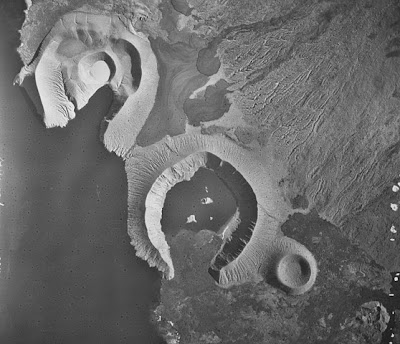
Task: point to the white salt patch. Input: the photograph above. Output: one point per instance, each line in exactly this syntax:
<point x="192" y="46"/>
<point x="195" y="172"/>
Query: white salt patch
<point x="100" y="72"/>
<point x="395" y="188"/>
<point x="392" y="239"/>
<point x="394" y="206"/>
<point x="206" y="200"/>
<point x="396" y="279"/>
<point x="211" y="81"/>
<point x="191" y="219"/>
<point x="393" y="229"/>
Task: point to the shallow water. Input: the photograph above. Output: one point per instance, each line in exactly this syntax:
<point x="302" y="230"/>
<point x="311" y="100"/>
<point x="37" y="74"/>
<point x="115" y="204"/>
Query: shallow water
<point x="68" y="273"/>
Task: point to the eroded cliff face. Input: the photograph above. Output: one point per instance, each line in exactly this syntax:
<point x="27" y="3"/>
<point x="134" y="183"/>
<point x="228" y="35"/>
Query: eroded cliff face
<point x="305" y="95"/>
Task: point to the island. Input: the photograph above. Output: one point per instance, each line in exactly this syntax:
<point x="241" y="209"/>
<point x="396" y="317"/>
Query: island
<point x="293" y="106"/>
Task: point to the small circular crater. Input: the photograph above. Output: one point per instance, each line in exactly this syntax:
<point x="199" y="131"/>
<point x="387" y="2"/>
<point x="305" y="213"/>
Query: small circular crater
<point x="97" y="67"/>
<point x="293" y="271"/>
<point x="100" y="71"/>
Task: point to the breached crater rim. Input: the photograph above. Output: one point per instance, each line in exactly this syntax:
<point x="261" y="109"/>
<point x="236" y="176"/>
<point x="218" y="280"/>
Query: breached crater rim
<point x="152" y="171"/>
<point x="85" y="51"/>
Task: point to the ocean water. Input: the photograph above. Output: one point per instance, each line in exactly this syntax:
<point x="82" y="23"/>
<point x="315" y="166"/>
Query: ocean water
<point x="68" y="273"/>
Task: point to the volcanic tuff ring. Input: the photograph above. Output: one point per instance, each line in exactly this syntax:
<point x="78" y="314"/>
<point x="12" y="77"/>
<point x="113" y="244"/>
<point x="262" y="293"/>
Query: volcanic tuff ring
<point x="81" y="45"/>
<point x="76" y="43"/>
<point x="153" y="170"/>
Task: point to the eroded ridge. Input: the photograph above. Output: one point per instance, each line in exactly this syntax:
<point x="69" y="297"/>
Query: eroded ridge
<point x="238" y="230"/>
<point x="82" y="53"/>
<point x="252" y="242"/>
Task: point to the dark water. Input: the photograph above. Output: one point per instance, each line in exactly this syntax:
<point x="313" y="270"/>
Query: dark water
<point x="205" y="196"/>
<point x="68" y="273"/>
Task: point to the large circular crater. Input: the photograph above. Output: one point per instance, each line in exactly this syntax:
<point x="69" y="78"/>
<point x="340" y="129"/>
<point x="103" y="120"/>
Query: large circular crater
<point x="214" y="196"/>
<point x="197" y="182"/>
